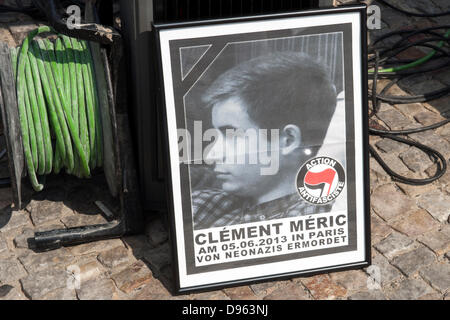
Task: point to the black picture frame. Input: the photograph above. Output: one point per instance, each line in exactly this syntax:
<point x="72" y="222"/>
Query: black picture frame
<point x="168" y="109"/>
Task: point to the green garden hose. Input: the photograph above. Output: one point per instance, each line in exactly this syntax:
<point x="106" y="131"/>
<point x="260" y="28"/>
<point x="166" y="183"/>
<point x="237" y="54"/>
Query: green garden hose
<point x="416" y="63"/>
<point x="58" y="106"/>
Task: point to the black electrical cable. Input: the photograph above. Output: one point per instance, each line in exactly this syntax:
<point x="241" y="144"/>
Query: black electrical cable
<point x="415" y="14"/>
<point x="410" y="34"/>
<point x="382" y="57"/>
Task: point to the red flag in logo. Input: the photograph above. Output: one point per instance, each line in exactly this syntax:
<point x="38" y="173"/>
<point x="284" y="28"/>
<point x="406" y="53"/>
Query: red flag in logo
<point x="325" y="176"/>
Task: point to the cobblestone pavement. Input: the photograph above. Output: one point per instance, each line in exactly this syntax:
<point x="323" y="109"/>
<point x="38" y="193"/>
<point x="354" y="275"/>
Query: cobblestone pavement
<point x="410" y="227"/>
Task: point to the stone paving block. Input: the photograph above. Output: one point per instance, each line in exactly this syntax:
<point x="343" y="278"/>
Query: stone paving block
<point x="395" y="163"/>
<point x="154" y="290"/>
<point x="55" y="260"/>
<point x="384" y="106"/>
<point x="21" y="241"/>
<point x="8" y="293"/>
<point x="60" y="294"/>
<point x="377" y="180"/>
<point x="264" y="288"/>
<point x="410" y="289"/>
<point x="374" y="181"/>
<point x="97" y="289"/>
<point x="432" y="139"/>
<point x="417" y="223"/>
<point x="378" y="171"/>
<point x="240" y="293"/>
<point x="214" y="295"/>
<point x="444" y="180"/>
<point x="3" y="245"/>
<point x="414" y="191"/>
<point x="444" y="131"/>
<point x="159" y="257"/>
<point x="442" y="105"/>
<point x="428" y="118"/>
<point x="114" y="257"/>
<point x="353" y="280"/>
<point x="412" y="261"/>
<point x="79" y="220"/>
<point x="96" y="247"/>
<point x="387" y="272"/>
<point x="389" y="202"/>
<point x="438" y="275"/>
<point x="395" y="244"/>
<point x="374" y="139"/>
<point x="379" y="229"/>
<point x="48" y="226"/>
<point x="134" y="276"/>
<point x="292" y="291"/>
<point x="431" y="296"/>
<point x="391" y="146"/>
<point x="410" y="109"/>
<point x="88" y="267"/>
<point x="437" y="204"/>
<point x="38" y="284"/>
<point x="11" y="270"/>
<point x="416" y="160"/>
<point x="156" y="232"/>
<point x="10" y="220"/>
<point x="45" y="211"/>
<point x="322" y="287"/>
<point x="368" y="295"/>
<point x="394" y="119"/>
<point x="437" y="240"/>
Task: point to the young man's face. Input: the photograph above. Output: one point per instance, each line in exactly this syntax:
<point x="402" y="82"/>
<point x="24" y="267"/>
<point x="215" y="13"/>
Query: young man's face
<point x="246" y="179"/>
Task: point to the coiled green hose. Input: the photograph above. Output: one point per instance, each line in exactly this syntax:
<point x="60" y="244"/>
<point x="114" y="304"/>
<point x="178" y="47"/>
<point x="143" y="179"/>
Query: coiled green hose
<point x="58" y="106"/>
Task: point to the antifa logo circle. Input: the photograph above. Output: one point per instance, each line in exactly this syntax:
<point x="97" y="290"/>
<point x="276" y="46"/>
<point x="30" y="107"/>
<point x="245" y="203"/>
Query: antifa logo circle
<point x="321" y="180"/>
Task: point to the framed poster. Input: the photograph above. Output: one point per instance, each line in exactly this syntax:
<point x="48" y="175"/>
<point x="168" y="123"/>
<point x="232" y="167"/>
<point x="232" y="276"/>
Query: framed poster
<point x="267" y="145"/>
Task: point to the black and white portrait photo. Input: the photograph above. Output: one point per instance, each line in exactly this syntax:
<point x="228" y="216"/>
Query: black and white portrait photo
<point x="285" y="91"/>
<point x="265" y="144"/>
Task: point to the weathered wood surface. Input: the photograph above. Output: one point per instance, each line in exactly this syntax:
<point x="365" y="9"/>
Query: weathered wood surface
<point x="11" y="123"/>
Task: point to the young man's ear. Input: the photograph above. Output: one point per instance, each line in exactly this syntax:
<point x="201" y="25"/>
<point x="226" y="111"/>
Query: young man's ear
<point x="290" y="139"/>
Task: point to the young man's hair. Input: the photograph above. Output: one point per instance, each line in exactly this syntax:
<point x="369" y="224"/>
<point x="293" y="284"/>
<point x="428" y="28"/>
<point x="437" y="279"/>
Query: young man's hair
<point x="281" y="89"/>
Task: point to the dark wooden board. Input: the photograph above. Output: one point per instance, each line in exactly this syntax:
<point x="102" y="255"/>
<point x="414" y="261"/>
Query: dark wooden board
<point x="11" y="124"/>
